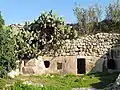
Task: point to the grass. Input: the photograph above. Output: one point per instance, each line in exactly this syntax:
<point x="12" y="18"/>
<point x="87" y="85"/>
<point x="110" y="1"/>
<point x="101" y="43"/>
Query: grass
<point x="60" y="82"/>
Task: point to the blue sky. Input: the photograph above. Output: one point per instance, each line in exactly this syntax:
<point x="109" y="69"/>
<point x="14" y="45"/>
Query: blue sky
<point x="19" y="11"/>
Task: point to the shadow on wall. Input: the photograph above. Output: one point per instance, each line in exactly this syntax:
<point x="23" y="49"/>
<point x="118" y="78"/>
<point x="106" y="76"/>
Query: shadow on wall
<point x="109" y="65"/>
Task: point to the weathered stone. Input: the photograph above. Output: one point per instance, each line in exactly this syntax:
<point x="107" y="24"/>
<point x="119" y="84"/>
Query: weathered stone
<point x="14" y="73"/>
<point x="30" y="63"/>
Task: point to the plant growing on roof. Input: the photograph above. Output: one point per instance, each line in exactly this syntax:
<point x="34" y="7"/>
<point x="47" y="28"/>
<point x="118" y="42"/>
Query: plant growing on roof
<point x="48" y="31"/>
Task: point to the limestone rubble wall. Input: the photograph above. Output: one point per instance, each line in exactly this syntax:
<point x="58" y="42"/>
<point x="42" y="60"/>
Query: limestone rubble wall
<point x="91" y="45"/>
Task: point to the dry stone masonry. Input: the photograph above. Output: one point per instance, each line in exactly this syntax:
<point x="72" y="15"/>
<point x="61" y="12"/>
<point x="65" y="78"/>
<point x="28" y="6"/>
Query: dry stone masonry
<point x="91" y="45"/>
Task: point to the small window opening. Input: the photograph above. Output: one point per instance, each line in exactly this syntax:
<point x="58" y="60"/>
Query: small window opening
<point x="59" y="65"/>
<point x="47" y="64"/>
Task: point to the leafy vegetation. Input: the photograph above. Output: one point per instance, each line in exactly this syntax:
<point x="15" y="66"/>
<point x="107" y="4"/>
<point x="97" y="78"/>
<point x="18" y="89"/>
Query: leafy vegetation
<point x="88" y="18"/>
<point x="7" y="50"/>
<point x="46" y="31"/>
<point x="22" y="46"/>
<point x="41" y="36"/>
<point x="89" y="21"/>
<point x="60" y="82"/>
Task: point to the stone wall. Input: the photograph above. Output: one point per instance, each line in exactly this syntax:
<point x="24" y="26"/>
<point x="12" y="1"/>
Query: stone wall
<point x="92" y="45"/>
<point x="92" y="48"/>
<point x="61" y="65"/>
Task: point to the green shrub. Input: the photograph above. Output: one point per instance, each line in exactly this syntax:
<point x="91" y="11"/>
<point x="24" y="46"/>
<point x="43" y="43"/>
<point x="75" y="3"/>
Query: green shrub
<point x="42" y="36"/>
<point x="89" y="20"/>
<point x="7" y="50"/>
<point x="2" y="83"/>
